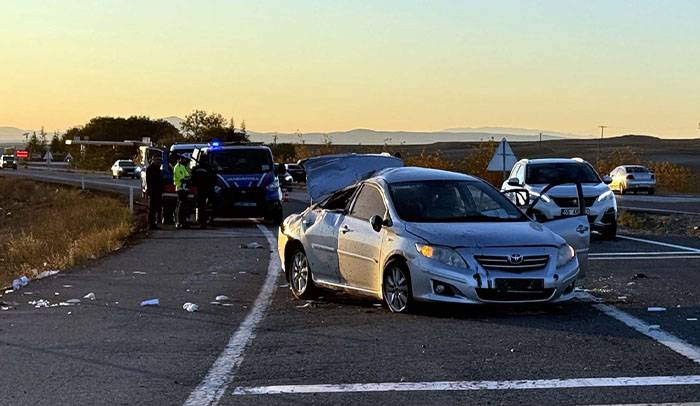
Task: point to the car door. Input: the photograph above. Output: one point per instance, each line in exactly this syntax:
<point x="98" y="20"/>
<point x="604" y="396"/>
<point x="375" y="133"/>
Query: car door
<point x="322" y="226"/>
<point x="359" y="245"/>
<point x="575" y="229"/>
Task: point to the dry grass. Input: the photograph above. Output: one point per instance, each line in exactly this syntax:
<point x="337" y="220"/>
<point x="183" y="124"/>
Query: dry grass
<point x="660" y="224"/>
<point x="54" y="227"/>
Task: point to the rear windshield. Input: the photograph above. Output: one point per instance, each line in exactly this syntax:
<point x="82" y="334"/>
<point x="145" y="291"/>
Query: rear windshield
<point x="560" y="172"/>
<point x="239" y="160"/>
<point x="637" y="169"/>
<point x="450" y="201"/>
<point x="126" y="163"/>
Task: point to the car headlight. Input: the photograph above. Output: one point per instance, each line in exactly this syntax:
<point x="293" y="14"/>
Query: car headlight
<point x="274" y="185"/>
<point x="605" y="196"/>
<point x="445" y="255"/>
<point x="565" y="255"/>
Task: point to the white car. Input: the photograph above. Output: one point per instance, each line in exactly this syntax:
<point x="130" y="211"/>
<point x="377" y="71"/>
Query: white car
<point x="124" y="168"/>
<point x="633" y="178"/>
<point x="561" y="201"/>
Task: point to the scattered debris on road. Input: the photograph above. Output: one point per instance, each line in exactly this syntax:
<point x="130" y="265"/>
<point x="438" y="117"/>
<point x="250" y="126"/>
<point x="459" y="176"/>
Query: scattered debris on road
<point x="73" y="301"/>
<point x="46" y="274"/>
<point x="252" y="245"/>
<point x="150" y="302"/>
<point x="140" y="273"/>
<point x="20" y="282"/>
<point x="656" y="309"/>
<point x="691" y="319"/>
<point x="222" y="298"/>
<point x="90" y="296"/>
<point x="190" y="307"/>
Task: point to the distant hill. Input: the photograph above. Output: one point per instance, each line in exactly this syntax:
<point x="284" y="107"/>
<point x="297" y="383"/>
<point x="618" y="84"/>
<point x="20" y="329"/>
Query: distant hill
<point x="510" y="130"/>
<point x="11" y="134"/>
<point x="373" y="137"/>
<point x="175" y="121"/>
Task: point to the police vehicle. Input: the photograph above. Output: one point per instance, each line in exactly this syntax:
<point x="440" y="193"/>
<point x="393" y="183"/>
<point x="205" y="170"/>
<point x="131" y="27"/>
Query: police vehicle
<point x="247" y="183"/>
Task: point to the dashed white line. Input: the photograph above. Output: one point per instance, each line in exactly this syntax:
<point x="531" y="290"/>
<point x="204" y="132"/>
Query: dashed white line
<point x="221" y="373"/>
<point x="669" y="340"/>
<point x="662" y="244"/>
<point x="472" y="385"/>
<point x="687" y="256"/>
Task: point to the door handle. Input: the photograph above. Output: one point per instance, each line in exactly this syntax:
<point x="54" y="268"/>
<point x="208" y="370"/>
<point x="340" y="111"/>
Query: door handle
<point x="581" y="229"/>
<point x="345" y="229"/>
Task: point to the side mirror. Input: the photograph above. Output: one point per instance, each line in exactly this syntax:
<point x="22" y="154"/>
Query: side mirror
<point x="377" y="222"/>
<point x="607" y="179"/>
<point x="514" y="182"/>
<point x="280" y="169"/>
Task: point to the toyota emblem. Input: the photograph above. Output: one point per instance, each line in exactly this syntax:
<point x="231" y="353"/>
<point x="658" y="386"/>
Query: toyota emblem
<point x="515" y="259"/>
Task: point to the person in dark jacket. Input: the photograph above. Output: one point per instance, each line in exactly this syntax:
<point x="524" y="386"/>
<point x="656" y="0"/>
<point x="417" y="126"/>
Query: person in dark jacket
<point x="204" y="179"/>
<point x="154" y="189"/>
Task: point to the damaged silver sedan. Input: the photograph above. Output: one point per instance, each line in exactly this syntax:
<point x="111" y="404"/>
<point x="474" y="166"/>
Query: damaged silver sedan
<point x="403" y="234"/>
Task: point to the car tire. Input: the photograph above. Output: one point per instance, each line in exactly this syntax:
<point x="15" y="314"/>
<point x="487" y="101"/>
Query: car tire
<point x="396" y="288"/>
<point x="609" y="232"/>
<point x="300" y="278"/>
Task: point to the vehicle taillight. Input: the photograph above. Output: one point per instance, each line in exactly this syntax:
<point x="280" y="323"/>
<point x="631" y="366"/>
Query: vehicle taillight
<point x="630" y="177"/>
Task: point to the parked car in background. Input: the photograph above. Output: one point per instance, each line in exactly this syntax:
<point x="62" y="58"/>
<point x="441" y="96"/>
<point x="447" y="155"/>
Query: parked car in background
<point x="562" y="201"/>
<point x="634" y="178"/>
<point x="8" y="161"/>
<point x="297" y="171"/>
<point x="124" y="168"/>
<point x="405" y="234"/>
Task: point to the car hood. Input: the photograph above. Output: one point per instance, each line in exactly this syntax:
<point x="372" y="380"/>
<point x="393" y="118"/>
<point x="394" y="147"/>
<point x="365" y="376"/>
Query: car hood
<point x="569" y="190"/>
<point x="328" y="173"/>
<point x="478" y="235"/>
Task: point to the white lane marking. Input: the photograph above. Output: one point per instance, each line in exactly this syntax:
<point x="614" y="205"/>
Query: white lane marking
<point x="471" y="385"/>
<point x="669" y="340"/>
<point x="653" y="404"/>
<point x="221" y="373"/>
<point x="607" y="254"/>
<point x="650" y="210"/>
<point x="663" y="244"/>
<point x="687" y="256"/>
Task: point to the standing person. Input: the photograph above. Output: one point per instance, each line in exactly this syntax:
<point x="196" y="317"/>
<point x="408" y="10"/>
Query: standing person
<point x="181" y="174"/>
<point x="154" y="190"/>
<point x="203" y="178"/>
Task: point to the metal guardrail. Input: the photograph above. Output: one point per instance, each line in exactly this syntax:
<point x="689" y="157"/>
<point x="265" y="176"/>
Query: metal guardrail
<point x="85" y="184"/>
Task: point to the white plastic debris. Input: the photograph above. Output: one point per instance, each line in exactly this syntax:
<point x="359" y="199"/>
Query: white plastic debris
<point x="139" y="273"/>
<point x="9" y="291"/>
<point x="73" y="301"/>
<point x="190" y="307"/>
<point x="90" y="296"/>
<point x="656" y="309"/>
<point x="67" y="286"/>
<point x="654" y="327"/>
<point x="3" y="308"/>
<point x="41" y="303"/>
<point x="691" y="319"/>
<point x="252" y="245"/>
<point x="304" y="306"/>
<point x="215" y="303"/>
<point x="150" y="302"/>
<point x="46" y="274"/>
<point x="222" y="298"/>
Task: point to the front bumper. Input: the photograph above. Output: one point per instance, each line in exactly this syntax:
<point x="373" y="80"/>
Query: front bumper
<point x="600" y="214"/>
<point x="476" y="285"/>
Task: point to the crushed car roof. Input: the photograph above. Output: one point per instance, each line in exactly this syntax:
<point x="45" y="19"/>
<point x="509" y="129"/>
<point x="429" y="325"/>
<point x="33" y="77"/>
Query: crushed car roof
<point x="327" y="173"/>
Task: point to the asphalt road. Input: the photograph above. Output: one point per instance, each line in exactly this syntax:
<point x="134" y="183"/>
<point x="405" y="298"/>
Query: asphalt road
<point x="660" y="204"/>
<point x="341" y="349"/>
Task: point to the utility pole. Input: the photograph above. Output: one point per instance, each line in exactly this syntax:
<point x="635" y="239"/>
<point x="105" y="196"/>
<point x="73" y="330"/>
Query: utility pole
<point x="540" y="142"/>
<point x="602" y="130"/>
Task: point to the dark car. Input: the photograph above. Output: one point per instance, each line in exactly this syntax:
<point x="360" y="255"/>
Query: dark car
<point x="297" y="171"/>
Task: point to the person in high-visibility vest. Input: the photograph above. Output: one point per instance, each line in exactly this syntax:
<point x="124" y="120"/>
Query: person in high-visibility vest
<point x="181" y="175"/>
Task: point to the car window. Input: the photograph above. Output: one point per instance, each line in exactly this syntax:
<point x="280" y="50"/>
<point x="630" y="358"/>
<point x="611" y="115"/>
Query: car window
<point x="637" y="169"/>
<point x="514" y="171"/>
<point x="369" y="202"/>
<point x="520" y="174"/>
<point x="338" y="200"/>
<point x="561" y="172"/>
<point x="451" y="201"/>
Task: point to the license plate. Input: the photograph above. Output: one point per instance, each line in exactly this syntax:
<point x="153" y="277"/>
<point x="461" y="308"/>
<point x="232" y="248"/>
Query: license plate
<point x="521" y="285"/>
<point x="573" y="212"/>
<point x="245" y="204"/>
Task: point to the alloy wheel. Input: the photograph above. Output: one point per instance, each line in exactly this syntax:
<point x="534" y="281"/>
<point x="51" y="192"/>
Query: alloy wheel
<point x="300" y="274"/>
<point x="396" y="289"/>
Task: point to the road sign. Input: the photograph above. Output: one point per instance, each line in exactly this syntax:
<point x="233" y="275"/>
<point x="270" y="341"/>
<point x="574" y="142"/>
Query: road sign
<point x="48" y="157"/>
<point x="503" y="159"/>
<point x="21" y="153"/>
